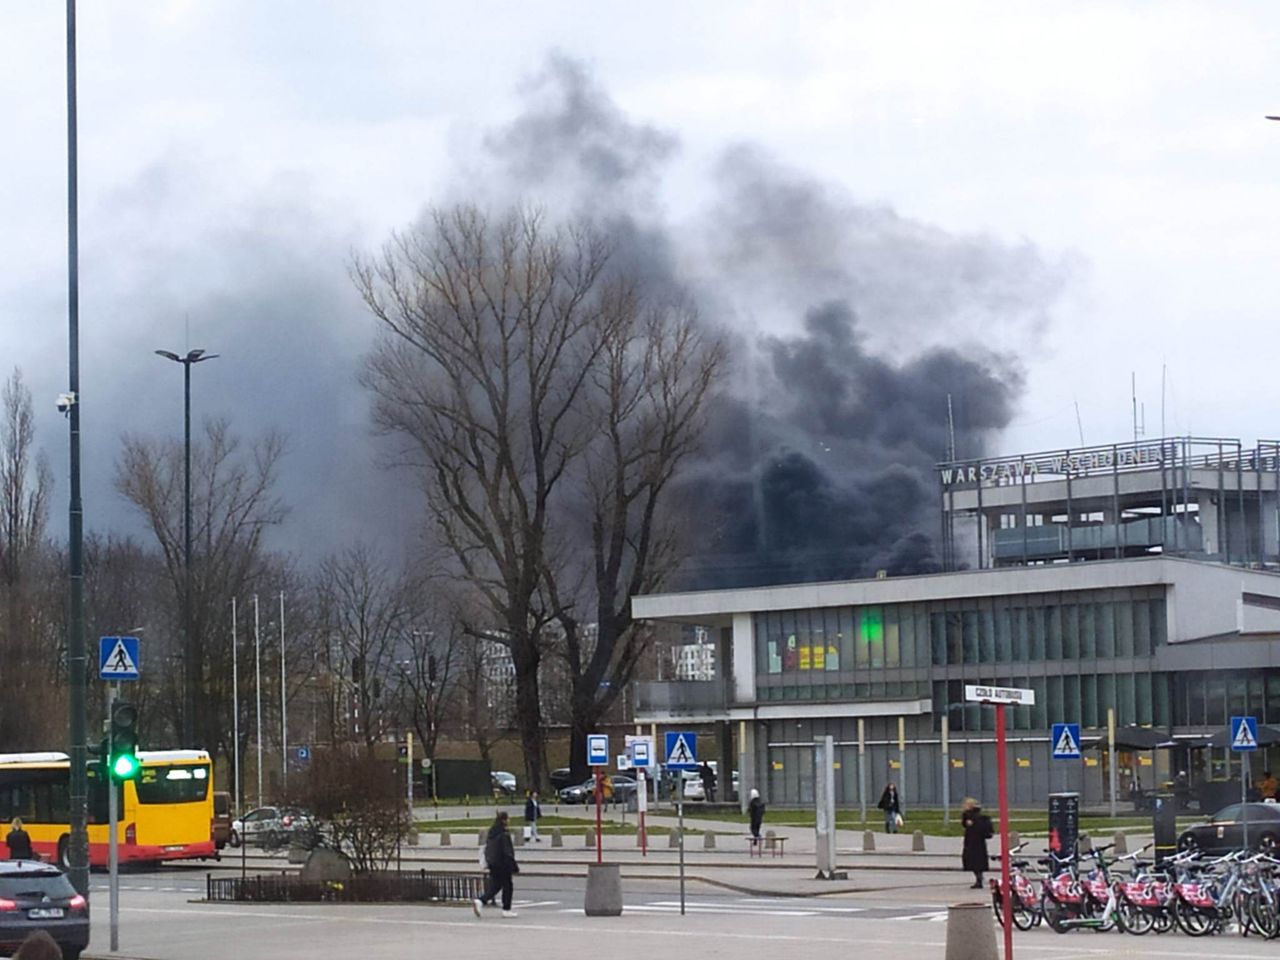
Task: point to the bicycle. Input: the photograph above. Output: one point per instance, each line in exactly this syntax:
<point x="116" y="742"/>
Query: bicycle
<point x="1026" y="895"/>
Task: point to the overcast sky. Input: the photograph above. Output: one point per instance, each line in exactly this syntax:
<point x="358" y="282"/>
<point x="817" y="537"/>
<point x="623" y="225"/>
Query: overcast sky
<point x="234" y="153"/>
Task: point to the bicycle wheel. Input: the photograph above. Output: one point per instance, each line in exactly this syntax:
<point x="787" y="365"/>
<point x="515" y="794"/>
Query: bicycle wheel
<point x="1024" y="917"/>
<point x="1133" y="919"/>
<point x="1164" y="921"/>
<point x="1194" y="921"/>
<point x="1054" y="913"/>
<point x="1263" y="916"/>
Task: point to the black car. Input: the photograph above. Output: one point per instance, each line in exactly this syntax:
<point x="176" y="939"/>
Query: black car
<point x="623" y="789"/>
<point x="560" y="778"/>
<point x="1225" y="830"/>
<point x="38" y="896"/>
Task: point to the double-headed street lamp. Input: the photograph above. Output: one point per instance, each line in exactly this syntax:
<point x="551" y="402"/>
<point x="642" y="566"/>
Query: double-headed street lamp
<point x="188" y="645"/>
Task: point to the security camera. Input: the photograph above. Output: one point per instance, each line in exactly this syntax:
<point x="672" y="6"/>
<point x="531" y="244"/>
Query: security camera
<point x="65" y="402"/>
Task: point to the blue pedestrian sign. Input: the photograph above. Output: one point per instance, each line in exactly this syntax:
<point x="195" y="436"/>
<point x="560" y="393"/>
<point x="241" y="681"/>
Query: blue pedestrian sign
<point x="682" y="750"/>
<point x="118" y="658"/>
<point x="1066" y="741"/>
<point x="597" y="750"/>
<point x="1244" y="733"/>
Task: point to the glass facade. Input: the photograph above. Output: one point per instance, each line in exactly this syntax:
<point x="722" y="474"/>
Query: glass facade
<point x="1081" y="651"/>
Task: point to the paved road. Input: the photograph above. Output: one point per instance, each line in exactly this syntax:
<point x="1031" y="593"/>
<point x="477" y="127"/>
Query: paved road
<point x="161" y="921"/>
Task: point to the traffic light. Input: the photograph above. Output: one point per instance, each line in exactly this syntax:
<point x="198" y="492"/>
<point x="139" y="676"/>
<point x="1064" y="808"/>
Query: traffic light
<point x="123" y="762"/>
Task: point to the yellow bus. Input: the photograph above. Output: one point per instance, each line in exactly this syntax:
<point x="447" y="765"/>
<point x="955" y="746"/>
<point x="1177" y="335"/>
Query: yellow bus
<point x="165" y="814"/>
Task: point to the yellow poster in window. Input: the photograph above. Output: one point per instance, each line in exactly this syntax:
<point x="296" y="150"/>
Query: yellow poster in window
<point x="819" y="662"/>
<point x="804" y="658"/>
<point x="895" y="765"/>
<point x="957" y="764"/>
<point x="1024" y="761"/>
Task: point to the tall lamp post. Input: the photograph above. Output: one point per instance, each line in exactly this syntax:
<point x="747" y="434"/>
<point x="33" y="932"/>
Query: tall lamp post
<point x="188" y="651"/>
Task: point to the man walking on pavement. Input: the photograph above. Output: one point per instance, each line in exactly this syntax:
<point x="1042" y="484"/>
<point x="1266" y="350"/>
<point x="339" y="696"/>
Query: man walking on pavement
<point x="500" y="856"/>
<point x="532" y="811"/>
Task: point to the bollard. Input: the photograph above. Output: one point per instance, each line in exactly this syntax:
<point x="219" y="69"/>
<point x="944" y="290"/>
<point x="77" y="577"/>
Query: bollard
<point x="467" y="803"/>
<point x="1014" y="839"/>
<point x="517" y="838"/>
<point x="556" y="839"/>
<point x="868" y="841"/>
<point x="673" y="838"/>
<point x="917" y="842"/>
<point x="445" y="839"/>
<point x="1121" y="845"/>
<point x="480" y="838"/>
<point x="604" y="890"/>
<point x="1084" y="843"/>
<point x="708" y="841"/>
<point x="970" y="933"/>
<point x="589" y="838"/>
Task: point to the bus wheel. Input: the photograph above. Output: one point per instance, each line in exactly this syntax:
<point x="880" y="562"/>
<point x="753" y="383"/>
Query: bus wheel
<point x="64" y="858"/>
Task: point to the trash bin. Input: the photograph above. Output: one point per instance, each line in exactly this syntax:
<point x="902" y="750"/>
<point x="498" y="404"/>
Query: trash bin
<point x="1164" y="824"/>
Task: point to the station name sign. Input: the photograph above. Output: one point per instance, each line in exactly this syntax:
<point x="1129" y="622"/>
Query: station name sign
<point x="1018" y="695"/>
<point x="1061" y="464"/>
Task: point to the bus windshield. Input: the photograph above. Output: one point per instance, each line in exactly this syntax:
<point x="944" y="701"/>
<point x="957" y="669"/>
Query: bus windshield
<point x="173" y="783"/>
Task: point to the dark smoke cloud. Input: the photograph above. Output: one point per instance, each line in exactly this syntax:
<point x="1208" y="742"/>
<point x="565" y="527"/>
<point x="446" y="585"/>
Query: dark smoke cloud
<point x="818" y="463"/>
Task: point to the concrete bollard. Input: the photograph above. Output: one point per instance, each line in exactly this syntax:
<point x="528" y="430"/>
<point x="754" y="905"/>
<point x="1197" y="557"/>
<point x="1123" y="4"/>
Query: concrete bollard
<point x="589" y="837"/>
<point x="412" y="838"/>
<point x="1014" y="839"/>
<point x="604" y="890"/>
<point x="517" y="838"/>
<point x="1084" y="843"/>
<point x="708" y="841"/>
<point x="917" y="842"/>
<point x="1121" y="845"/>
<point x="673" y="838"/>
<point x="556" y="839"/>
<point x="480" y="838"/>
<point x="868" y="841"/>
<point x="970" y="933"/>
<point x="445" y="839"/>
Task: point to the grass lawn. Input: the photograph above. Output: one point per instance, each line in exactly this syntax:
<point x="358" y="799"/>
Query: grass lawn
<point x="569" y="826"/>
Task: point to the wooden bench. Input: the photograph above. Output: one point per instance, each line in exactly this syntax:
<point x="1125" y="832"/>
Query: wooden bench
<point x="775" y="845"/>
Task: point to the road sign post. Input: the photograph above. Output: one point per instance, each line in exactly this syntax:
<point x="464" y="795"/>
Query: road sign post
<point x="118" y="659"/>
<point x="1244" y="740"/>
<point x="598" y="758"/>
<point x="1065" y="744"/>
<point x="1000" y="696"/>
<point x="640" y="754"/>
<point x="682" y="754"/>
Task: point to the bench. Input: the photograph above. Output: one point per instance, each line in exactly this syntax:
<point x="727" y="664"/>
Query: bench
<point x="755" y="846"/>
<point x="775" y="845"/>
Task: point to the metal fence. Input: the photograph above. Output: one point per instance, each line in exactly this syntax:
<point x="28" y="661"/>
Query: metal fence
<point x="388" y="886"/>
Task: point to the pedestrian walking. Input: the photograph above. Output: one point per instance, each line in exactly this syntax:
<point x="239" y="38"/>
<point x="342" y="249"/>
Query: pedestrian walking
<point x="532" y="811"/>
<point x="755" y="810"/>
<point x="891" y="804"/>
<point x="977" y="831"/>
<point x="19" y="842"/>
<point x="500" y="857"/>
<point x="708" y="782"/>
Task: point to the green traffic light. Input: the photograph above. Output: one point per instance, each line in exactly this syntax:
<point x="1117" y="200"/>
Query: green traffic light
<point x="124" y="767"/>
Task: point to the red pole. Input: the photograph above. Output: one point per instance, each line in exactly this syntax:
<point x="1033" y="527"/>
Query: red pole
<point x="599" y="817"/>
<point x="1002" y="780"/>
<point x="640" y="805"/>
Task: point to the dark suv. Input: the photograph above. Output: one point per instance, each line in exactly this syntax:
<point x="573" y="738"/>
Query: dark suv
<point x="38" y="896"/>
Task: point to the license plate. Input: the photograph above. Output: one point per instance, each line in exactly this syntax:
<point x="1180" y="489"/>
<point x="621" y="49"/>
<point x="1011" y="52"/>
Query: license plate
<point x="45" y="913"/>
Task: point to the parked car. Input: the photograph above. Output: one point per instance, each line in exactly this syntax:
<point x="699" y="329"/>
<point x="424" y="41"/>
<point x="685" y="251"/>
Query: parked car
<point x="220" y="827"/>
<point x="504" y="783"/>
<point x="38" y="896"/>
<point x="1224" y="831"/>
<point x="624" y="788"/>
<point x="561" y="778"/>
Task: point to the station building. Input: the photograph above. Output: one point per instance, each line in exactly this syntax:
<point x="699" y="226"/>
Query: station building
<point x="1138" y="583"/>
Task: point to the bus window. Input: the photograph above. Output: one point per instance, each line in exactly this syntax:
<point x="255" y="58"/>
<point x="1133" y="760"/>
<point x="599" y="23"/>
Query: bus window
<point x="98" y="799"/>
<point x="172" y="783"/>
<point x="35" y="795"/>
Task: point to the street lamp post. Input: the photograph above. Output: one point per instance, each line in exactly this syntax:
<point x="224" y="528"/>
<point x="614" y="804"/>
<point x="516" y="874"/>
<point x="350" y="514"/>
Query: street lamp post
<point x="188" y="651"/>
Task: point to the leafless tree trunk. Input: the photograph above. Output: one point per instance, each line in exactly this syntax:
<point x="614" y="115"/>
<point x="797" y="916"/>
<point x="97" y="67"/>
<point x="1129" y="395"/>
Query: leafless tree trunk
<point x="490" y="329"/>
<point x="647" y="397"/>
<point x="233" y="502"/>
<point x="368" y="613"/>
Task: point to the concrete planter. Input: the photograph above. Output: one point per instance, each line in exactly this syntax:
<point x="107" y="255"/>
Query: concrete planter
<point x="604" y="890"/>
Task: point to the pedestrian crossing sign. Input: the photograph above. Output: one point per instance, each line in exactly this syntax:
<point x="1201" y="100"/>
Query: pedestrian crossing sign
<point x="118" y="658"/>
<point x="682" y="750"/>
<point x="1066" y="741"/>
<point x="1244" y="733"/>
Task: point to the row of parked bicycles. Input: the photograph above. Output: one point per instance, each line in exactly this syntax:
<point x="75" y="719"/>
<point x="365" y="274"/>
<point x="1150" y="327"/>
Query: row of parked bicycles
<point x="1189" y="892"/>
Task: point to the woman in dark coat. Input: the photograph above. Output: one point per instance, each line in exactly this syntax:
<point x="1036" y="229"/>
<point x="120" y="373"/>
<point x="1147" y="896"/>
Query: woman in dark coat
<point x="977" y="831"/>
<point x="892" y="807"/>
<point x="755" y="810"/>
<point x="500" y="857"/>
<point x="19" y="842"/>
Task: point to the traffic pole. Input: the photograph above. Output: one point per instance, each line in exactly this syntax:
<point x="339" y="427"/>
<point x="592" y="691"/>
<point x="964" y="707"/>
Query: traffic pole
<point x="599" y="817"/>
<point x="113" y="826"/>
<point x="1002" y="781"/>
<point x="642" y="801"/>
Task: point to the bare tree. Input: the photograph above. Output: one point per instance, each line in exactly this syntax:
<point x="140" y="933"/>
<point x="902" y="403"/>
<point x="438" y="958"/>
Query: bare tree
<point x="490" y="329"/>
<point x="233" y="502"/>
<point x="366" y="612"/>
<point x="647" y="398"/>
<point x="30" y="652"/>
<point x="425" y="678"/>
